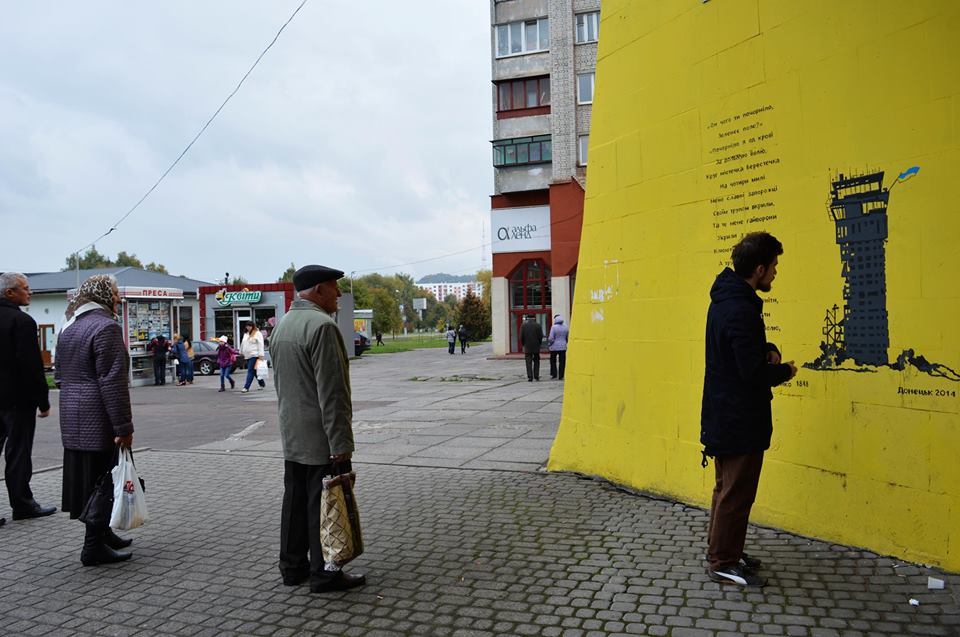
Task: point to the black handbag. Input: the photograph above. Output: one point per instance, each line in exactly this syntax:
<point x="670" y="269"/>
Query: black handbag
<point x="96" y="511"/>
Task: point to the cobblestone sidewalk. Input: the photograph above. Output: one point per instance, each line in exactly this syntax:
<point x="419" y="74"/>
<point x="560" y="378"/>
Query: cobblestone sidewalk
<point x="449" y="552"/>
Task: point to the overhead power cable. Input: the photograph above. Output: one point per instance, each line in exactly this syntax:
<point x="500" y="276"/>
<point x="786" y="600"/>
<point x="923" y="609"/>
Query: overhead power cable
<point x="195" y="137"/>
<point x="453" y="254"/>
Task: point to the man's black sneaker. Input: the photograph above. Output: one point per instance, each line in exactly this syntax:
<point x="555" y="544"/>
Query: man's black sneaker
<point x="751" y="563"/>
<point x="736" y="575"/>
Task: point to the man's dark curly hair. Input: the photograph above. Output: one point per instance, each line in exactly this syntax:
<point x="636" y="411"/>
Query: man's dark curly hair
<point x="757" y="248"/>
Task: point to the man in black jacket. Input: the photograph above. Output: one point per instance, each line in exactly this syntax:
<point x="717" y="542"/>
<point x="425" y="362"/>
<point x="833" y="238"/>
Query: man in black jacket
<point x="735" y="420"/>
<point x="531" y="336"/>
<point x="23" y="391"/>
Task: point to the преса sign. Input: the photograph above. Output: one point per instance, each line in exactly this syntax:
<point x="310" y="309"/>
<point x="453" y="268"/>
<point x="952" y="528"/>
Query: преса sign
<point x="520" y="229"/>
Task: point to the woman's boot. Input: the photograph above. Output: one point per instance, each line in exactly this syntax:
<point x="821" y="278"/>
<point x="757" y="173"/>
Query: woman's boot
<point x="114" y="541"/>
<point x="95" y="551"/>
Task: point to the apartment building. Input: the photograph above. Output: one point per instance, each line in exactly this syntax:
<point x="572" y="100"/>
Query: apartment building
<point x="544" y="55"/>
<point x="444" y="285"/>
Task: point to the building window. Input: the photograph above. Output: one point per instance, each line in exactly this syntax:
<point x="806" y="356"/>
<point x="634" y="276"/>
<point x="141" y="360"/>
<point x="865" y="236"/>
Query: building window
<point x="527" y="36"/>
<point x="522" y="150"/>
<point x="585" y="88"/>
<point x="515" y="95"/>
<point x="588" y="27"/>
<point x="583" y="141"/>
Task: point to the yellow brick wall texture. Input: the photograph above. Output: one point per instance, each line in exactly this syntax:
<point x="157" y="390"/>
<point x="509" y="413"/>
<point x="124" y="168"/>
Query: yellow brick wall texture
<point x="719" y="118"/>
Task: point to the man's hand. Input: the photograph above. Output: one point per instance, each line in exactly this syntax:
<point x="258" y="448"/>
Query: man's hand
<point x="44" y="414"/>
<point x="793" y="369"/>
<point x="773" y="357"/>
<point x="341" y="457"/>
<point x="124" y="441"/>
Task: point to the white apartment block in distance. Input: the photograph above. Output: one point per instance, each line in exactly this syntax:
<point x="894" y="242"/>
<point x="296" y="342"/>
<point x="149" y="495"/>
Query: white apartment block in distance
<point x="543" y="56"/>
<point x="443" y="285"/>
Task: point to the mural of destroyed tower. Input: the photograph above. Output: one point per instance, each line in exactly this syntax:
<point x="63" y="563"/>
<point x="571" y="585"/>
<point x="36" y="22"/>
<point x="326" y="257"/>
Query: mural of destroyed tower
<point x="858" y="206"/>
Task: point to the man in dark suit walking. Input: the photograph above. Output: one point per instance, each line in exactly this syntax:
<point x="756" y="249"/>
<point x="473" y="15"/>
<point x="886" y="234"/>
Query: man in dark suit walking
<point x="531" y="336"/>
<point x="23" y="392"/>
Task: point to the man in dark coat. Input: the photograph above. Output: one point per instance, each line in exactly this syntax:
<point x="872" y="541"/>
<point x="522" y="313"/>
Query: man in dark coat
<point x="735" y="420"/>
<point x="23" y="392"/>
<point x="159" y="346"/>
<point x="531" y="336"/>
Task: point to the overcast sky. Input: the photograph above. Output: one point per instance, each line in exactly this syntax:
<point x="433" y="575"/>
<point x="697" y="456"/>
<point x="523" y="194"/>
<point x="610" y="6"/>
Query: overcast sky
<point x="361" y="141"/>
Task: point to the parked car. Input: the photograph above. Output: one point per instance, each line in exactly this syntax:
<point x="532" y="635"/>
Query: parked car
<point x="360" y="343"/>
<point x="205" y="358"/>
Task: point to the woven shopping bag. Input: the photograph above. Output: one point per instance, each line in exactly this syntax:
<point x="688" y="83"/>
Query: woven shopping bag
<point x="340" y="534"/>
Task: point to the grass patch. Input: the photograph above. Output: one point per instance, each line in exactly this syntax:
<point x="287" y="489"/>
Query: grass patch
<point x="401" y="344"/>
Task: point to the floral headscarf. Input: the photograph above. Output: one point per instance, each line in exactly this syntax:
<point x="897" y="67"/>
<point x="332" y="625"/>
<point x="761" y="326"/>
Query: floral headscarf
<point x="97" y="289"/>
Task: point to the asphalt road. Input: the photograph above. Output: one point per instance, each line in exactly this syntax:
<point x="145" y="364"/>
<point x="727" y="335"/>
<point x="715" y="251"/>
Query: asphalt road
<point x="172" y="417"/>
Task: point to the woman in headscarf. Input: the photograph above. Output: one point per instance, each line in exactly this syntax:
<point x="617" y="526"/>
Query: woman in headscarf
<point x="95" y="417"/>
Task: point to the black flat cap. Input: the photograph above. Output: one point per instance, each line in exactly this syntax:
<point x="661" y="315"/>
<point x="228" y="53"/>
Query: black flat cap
<point x="309" y="275"/>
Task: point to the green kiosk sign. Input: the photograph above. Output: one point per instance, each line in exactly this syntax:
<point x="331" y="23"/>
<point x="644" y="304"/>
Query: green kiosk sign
<point x="225" y="298"/>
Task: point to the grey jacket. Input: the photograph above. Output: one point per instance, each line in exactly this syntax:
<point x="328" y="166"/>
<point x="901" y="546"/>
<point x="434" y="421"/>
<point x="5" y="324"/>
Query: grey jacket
<point x="312" y="378"/>
<point x="92" y="367"/>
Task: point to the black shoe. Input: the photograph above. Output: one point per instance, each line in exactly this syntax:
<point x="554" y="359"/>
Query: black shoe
<point x="295" y="579"/>
<point x="232" y="384"/>
<point x="341" y="582"/>
<point x="220" y="390"/>
<point x="114" y="541"/>
<point x="36" y="512"/>
<point x="529" y="380"/>
<point x="736" y="575"/>
<point x="3" y="521"/>
<point x="750" y="563"/>
<point x="102" y="554"/>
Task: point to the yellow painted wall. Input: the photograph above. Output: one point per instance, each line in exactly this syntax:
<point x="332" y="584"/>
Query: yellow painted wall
<point x="840" y="87"/>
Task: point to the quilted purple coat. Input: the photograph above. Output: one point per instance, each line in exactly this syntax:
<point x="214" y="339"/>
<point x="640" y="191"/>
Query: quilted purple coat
<point x="92" y="368"/>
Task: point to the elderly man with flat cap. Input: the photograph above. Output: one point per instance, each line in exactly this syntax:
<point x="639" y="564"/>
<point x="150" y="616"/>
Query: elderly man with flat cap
<point x="312" y="379"/>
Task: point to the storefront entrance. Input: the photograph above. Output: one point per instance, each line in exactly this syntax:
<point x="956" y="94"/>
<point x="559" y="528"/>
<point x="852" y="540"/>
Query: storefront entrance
<point x="529" y="294"/>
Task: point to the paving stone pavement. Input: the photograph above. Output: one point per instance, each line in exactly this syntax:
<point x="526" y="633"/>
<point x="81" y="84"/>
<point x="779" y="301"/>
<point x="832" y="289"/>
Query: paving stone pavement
<point x="451" y="551"/>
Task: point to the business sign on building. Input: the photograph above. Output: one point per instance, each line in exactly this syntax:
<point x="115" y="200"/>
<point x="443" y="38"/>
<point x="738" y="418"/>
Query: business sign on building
<point x="520" y="229"/>
<point x="226" y="299"/>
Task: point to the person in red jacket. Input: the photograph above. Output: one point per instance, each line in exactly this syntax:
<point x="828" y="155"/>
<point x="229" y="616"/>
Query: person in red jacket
<point x="23" y="393"/>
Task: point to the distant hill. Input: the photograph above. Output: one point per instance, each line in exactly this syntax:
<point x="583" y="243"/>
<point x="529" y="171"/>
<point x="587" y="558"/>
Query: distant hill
<point x="442" y="277"/>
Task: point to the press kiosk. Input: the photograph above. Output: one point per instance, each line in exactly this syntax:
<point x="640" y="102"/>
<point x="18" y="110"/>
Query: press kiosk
<point x="145" y="314"/>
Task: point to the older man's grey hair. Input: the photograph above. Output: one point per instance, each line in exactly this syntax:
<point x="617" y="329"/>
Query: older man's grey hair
<point x="10" y="280"/>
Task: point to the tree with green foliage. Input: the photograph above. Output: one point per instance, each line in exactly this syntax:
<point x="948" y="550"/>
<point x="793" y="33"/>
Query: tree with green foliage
<point x="485" y="279"/>
<point x="239" y="280"/>
<point x="386" y="311"/>
<point x="474" y="316"/>
<point x="92" y="259"/>
<point x="287" y="276"/>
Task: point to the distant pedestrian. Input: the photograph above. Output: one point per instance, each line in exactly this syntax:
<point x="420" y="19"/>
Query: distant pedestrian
<point x="160" y="347"/>
<point x="462" y="334"/>
<point x="184" y="364"/>
<point x="531" y="338"/>
<point x="312" y="379"/>
<point x="191" y="356"/>
<point x="379" y="338"/>
<point x="226" y="358"/>
<point x="253" y="350"/>
<point x="735" y="419"/>
<point x="557" y="342"/>
<point x="95" y="416"/>
<point x="451" y="339"/>
<point x="23" y="395"/>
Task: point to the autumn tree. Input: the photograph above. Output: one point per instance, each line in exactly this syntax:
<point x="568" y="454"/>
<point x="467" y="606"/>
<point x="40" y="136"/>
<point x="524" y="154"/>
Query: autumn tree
<point x="473" y="315"/>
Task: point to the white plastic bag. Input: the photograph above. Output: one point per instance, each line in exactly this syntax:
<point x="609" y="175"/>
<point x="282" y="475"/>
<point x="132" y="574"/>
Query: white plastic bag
<point x="129" y="502"/>
<point x="263" y="372"/>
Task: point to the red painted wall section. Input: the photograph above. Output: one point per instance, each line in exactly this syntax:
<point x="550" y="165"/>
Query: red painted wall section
<point x="519" y="199"/>
<point x="566" y="222"/>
